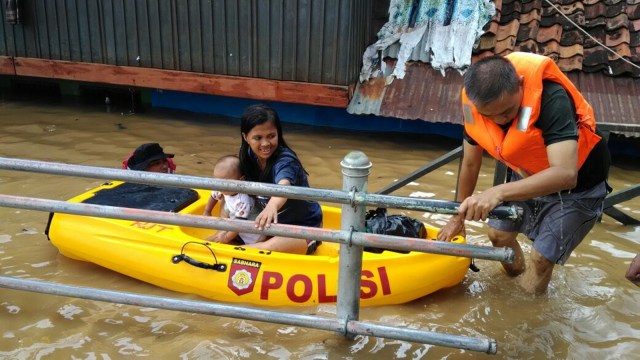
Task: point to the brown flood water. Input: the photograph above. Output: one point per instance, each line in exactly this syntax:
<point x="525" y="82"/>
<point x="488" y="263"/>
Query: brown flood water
<point x="590" y="311"/>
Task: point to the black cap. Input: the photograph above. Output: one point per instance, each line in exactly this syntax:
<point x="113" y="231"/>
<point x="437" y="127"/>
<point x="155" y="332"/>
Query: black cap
<point x="145" y="154"/>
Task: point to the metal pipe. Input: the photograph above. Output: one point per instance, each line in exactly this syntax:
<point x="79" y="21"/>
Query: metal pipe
<point x="338" y="236"/>
<point x="208" y="308"/>
<point x="355" y="172"/>
<point x="295" y="192"/>
<point x="621" y="196"/>
<point x="442" y="160"/>
<point x="488" y="346"/>
<point x="432" y="206"/>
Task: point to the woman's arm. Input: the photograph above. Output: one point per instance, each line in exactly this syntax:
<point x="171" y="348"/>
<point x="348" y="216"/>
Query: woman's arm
<point x="270" y="212"/>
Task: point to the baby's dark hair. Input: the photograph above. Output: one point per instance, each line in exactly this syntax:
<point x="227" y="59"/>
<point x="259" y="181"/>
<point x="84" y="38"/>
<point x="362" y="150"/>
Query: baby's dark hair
<point x="229" y="161"/>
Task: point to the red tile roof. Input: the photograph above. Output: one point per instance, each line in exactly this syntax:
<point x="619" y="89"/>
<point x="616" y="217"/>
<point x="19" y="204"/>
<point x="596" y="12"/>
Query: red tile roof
<point x="573" y="38"/>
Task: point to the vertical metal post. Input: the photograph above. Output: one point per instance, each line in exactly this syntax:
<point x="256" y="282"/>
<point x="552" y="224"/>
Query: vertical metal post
<point x="355" y="173"/>
<point x="500" y="173"/>
<point x="455" y="195"/>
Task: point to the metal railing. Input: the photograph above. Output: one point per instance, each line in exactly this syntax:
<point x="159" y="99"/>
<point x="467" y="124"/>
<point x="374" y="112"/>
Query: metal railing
<point x="186" y="181"/>
<point x="500" y="175"/>
<point x="337" y="325"/>
<point x="355" y="169"/>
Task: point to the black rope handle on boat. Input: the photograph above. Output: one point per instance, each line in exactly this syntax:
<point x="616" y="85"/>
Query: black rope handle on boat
<point x="183" y="257"/>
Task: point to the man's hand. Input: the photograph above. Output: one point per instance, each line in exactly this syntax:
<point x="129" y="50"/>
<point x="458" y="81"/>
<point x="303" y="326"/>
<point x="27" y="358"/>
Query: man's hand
<point x="477" y="207"/>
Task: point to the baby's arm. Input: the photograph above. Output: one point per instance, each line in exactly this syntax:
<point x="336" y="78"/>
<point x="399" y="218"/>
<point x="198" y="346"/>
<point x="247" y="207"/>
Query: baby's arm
<point x="223" y="236"/>
<point x="211" y="203"/>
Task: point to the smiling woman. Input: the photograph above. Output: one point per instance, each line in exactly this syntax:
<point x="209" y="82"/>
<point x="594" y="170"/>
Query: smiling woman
<point x="266" y="157"/>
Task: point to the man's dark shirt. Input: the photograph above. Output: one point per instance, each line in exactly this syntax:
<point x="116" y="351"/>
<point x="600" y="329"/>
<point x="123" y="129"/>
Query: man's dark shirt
<point x="558" y="123"/>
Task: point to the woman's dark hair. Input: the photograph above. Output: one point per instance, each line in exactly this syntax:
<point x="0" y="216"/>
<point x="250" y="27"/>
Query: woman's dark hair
<point x="253" y="116"/>
<point x="490" y="78"/>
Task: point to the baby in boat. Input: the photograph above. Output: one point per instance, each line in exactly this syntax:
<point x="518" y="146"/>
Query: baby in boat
<point x="233" y="205"/>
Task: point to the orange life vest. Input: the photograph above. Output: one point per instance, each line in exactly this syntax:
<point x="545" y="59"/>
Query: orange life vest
<point x="522" y="146"/>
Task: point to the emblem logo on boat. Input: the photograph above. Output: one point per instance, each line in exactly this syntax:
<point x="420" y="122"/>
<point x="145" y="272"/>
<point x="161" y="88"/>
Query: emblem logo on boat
<point x="242" y="275"/>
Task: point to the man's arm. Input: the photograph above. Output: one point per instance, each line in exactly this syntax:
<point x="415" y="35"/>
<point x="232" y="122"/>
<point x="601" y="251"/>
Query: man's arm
<point x="469" y="170"/>
<point x="467" y="180"/>
<point x="562" y="174"/>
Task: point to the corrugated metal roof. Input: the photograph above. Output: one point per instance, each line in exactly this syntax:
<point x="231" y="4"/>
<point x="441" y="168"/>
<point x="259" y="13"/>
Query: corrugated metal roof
<point x="423" y="94"/>
<point x="426" y="94"/>
<point x="615" y="100"/>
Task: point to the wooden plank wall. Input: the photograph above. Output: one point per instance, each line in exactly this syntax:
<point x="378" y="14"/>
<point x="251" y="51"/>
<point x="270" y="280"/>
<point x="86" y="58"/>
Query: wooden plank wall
<point x="316" y="41"/>
<point x="6" y="66"/>
<point x="242" y="87"/>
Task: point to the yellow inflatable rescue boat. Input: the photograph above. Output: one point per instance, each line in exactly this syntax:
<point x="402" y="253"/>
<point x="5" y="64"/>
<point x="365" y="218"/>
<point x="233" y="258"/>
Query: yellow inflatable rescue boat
<point x="153" y="252"/>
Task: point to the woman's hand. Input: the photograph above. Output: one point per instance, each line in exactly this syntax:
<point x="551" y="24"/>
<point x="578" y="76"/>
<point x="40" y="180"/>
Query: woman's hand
<point x="268" y="216"/>
<point x="454" y="227"/>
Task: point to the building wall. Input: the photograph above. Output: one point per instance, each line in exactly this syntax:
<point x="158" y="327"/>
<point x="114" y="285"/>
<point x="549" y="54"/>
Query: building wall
<point x="317" y="41"/>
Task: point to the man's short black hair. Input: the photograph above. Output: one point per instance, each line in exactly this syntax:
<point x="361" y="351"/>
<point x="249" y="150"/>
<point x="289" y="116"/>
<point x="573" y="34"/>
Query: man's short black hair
<point x="490" y="78"/>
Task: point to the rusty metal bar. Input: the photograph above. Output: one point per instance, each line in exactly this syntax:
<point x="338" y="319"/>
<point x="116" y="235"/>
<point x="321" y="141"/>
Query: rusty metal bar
<point x="238" y="312"/>
<point x="208" y="222"/>
<point x="294" y="192"/>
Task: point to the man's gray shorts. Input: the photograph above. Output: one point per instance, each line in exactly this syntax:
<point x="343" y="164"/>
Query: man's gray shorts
<point x="557" y="223"/>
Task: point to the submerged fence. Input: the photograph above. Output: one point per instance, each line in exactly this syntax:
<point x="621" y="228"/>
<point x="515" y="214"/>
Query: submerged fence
<point x="355" y="169"/>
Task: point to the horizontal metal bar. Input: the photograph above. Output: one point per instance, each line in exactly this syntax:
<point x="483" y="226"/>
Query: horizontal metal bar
<point x="185" y="181"/>
<point x="627" y="128"/>
<point x="339" y="236"/>
<point x="238" y="312"/>
<point x="442" y="160"/>
<point x="432" y="206"/>
<point x="488" y="346"/>
<point x="295" y="192"/>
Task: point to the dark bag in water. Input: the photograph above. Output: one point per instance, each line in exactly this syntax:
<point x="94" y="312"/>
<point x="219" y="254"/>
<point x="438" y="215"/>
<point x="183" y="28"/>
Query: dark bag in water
<point x="378" y="222"/>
